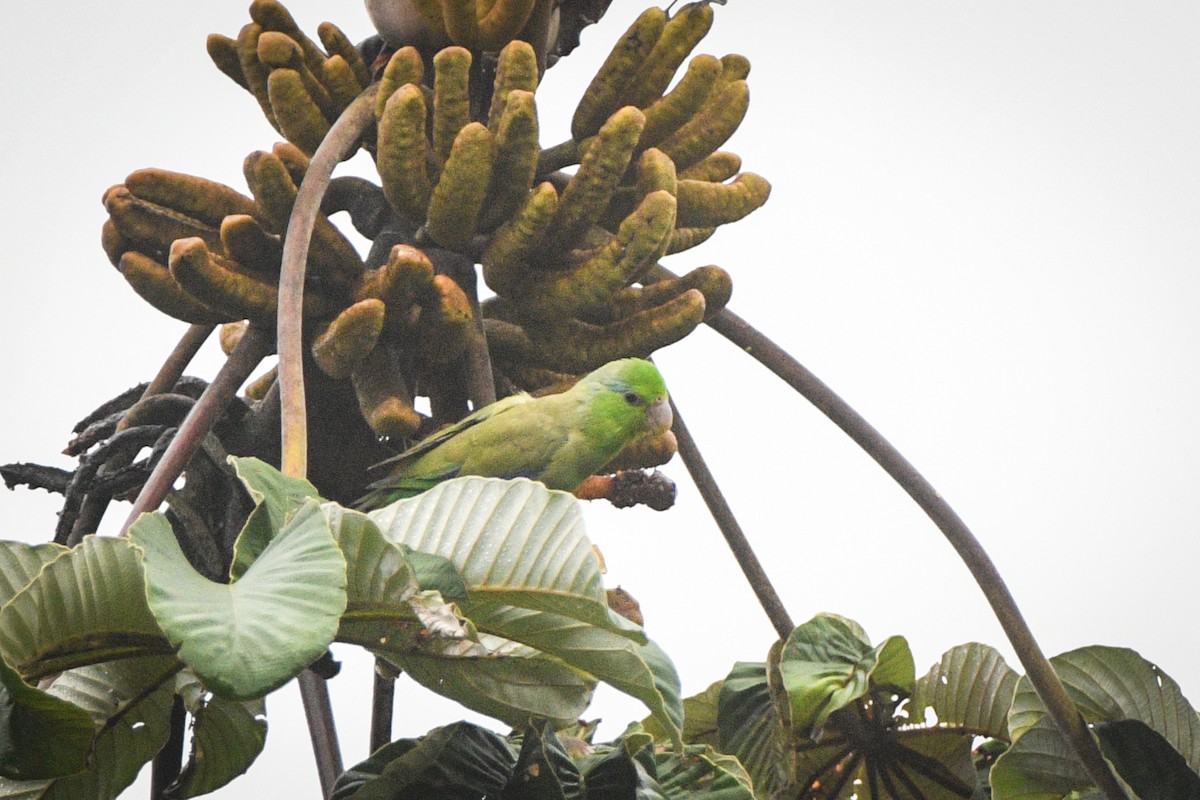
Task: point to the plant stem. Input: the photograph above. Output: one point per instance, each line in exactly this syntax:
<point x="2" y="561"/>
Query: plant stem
<point x="1045" y="681"/>
<point x="383" y="697"/>
<point x="252" y="349"/>
<point x="168" y="762"/>
<point x="752" y="568"/>
<point x="343" y="136"/>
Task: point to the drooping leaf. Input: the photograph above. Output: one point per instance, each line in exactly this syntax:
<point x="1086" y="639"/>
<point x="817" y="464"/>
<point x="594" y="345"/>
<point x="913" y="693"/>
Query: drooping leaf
<point x="227" y="736"/>
<point x="611" y="773"/>
<point x="1110" y="684"/>
<point x="971" y="687"/>
<point x="276" y="498"/>
<point x="827" y="664"/>
<point x="20" y="564"/>
<point x="247" y="638"/>
<point x="508" y="681"/>
<point x="129" y="701"/>
<point x="86" y="606"/>
<point x="643" y="671"/>
<point x="514" y="542"/>
<point x="41" y="736"/>
<point x="749" y="727"/>
<point x="457" y="762"/>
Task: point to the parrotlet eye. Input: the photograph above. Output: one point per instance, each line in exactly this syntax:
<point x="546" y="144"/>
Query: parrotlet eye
<point x="633" y="398"/>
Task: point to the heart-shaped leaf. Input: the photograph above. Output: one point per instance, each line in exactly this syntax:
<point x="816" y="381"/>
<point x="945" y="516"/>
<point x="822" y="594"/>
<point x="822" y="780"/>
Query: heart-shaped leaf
<point x="247" y="638"/>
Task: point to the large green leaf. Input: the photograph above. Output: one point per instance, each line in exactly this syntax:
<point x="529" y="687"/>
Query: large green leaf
<point x="827" y="664"/>
<point x="41" y="736"/>
<point x="509" y="681"/>
<point x="276" y="498"/>
<point x="247" y="638"/>
<point x="20" y="563"/>
<point x="514" y="542"/>
<point x="970" y="688"/>
<point x="1115" y="683"/>
<point x="86" y="606"/>
<point x="1109" y="685"/>
<point x="749" y="727"/>
<point x="129" y="702"/>
<point x="458" y="762"/>
<point x="227" y="736"/>
<point x="643" y="671"/>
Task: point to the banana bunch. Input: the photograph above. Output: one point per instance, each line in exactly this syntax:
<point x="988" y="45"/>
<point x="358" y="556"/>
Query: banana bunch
<point x="204" y="253"/>
<point x="301" y="88"/>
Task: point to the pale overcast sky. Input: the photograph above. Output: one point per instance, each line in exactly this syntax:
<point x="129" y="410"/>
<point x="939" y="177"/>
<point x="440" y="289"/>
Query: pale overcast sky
<point x="983" y="234"/>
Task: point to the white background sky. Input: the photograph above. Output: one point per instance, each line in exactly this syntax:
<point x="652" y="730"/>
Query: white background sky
<point x="983" y="234"/>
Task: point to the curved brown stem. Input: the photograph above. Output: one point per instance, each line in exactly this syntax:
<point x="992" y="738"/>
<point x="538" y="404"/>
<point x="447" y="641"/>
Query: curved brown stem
<point x="1041" y="674"/>
<point x="343" y="136"/>
<point x="752" y="568"/>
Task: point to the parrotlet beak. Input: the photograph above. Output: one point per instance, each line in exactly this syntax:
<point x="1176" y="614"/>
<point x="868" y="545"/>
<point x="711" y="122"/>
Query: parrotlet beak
<point x="658" y="416"/>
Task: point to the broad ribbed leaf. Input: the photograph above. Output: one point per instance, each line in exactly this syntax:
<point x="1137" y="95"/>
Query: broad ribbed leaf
<point x="458" y="762"/>
<point x="130" y="702"/>
<point x="1109" y="685"/>
<point x="247" y="638"/>
<point x="827" y="663"/>
<point x="701" y="773"/>
<point x="276" y="497"/>
<point x="514" y="542"/>
<point x="20" y="564"/>
<point x="750" y="728"/>
<point x="41" y="736"/>
<point x="227" y="736"/>
<point x="640" y="670"/>
<point x="970" y="688"/>
<point x="84" y="607"/>
<point x="508" y="681"/>
<point x="1115" y="683"/>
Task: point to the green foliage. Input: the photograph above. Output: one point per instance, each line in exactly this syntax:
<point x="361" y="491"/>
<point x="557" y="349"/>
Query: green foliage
<point x="828" y="715"/>
<point x="134" y="625"/>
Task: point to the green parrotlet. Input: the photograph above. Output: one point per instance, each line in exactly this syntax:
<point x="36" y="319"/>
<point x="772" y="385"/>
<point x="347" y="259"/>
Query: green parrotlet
<point x="558" y="439"/>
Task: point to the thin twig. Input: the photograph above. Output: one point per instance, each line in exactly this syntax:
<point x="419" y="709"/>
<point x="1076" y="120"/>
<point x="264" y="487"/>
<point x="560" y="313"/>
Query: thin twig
<point x="252" y="349"/>
<point x="1041" y="674"/>
<point x="343" y="136"/>
<point x="752" y="568"/>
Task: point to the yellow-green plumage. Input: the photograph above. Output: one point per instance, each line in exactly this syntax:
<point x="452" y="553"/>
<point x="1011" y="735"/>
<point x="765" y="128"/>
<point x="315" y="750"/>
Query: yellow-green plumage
<point x="558" y="439"/>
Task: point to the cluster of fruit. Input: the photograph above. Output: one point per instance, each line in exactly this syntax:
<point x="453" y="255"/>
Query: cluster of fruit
<point x="568" y="254"/>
